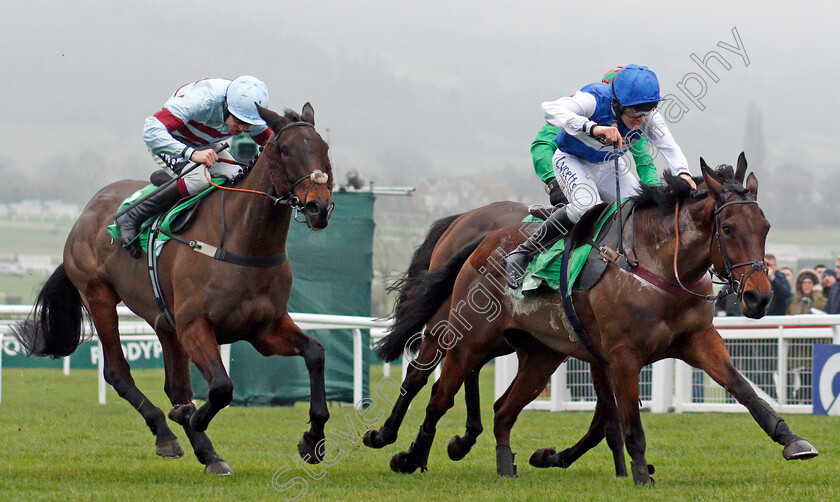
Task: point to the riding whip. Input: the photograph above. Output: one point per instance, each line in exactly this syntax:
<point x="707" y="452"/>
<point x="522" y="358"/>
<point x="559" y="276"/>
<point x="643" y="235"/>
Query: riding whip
<point x="620" y="247"/>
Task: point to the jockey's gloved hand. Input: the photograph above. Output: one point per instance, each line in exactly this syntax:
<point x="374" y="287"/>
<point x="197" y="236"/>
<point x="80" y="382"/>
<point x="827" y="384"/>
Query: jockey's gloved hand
<point x="555" y="194"/>
<point x="230" y="172"/>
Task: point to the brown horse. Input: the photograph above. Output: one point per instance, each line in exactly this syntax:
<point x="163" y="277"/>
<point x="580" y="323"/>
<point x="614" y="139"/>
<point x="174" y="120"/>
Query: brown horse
<point x="678" y="235"/>
<point x="212" y="302"/>
<point x="445" y="239"/>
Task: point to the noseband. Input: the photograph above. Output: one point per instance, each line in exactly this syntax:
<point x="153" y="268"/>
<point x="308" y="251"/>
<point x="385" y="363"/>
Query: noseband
<point x="737" y="285"/>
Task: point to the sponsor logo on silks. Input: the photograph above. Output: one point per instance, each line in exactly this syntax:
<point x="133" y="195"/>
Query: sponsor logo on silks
<point x="569" y="177"/>
<point x="826" y="381"/>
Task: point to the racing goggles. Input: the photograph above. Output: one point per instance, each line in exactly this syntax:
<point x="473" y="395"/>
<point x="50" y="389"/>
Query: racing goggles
<point x="640" y="111"/>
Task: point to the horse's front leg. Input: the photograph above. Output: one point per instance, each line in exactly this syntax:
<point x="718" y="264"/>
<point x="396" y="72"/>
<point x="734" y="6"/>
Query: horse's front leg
<point x="287" y="339"/>
<point x="199" y="341"/>
<point x="625" y="367"/>
<point x="707" y="351"/>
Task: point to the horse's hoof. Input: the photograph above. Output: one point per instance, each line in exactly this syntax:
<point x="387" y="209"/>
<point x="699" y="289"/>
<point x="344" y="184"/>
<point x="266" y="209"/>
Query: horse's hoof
<point x="373" y="439"/>
<point x="458" y="447"/>
<point x="170" y="448"/>
<point x="219" y="468"/>
<point x="505" y="468"/>
<point x="404" y="463"/>
<point x="641" y="473"/>
<point x="541" y="458"/>
<point x="799" y="449"/>
<point x="306" y="448"/>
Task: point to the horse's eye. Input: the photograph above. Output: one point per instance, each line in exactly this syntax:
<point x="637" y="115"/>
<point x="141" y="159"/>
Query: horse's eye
<point x="727" y="229"/>
<point x="284" y="150"/>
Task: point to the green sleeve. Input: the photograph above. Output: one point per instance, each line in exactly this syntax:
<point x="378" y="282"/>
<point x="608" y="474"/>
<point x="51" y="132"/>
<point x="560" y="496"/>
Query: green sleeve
<point x="644" y="162"/>
<point x="542" y="151"/>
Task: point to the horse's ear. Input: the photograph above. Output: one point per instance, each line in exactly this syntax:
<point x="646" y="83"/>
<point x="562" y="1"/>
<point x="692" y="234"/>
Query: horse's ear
<point x="274" y="120"/>
<point x="742" y="168"/>
<point x="308" y="113"/>
<point x="714" y="185"/>
<point x="752" y="185"/>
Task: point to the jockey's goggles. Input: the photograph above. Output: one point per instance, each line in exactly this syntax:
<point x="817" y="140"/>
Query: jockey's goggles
<point x="640" y="111"/>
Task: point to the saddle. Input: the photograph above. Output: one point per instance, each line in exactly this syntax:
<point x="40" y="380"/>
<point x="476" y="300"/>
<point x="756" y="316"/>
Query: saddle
<point x="595" y="229"/>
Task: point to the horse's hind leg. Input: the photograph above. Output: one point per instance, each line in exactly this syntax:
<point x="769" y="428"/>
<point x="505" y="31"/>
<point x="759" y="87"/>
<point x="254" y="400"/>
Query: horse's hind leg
<point x="416" y="377"/>
<point x="459" y="446"/>
<point x="102" y="304"/>
<point x="605" y="423"/>
<point x="536" y="364"/>
<point x="179" y="390"/>
<point x="459" y="362"/>
<point x="287" y="339"/>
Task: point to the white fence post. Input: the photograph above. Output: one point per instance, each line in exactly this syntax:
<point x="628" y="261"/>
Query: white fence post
<point x="358" y="369"/>
<point x="101" y="370"/>
<point x="662" y="386"/>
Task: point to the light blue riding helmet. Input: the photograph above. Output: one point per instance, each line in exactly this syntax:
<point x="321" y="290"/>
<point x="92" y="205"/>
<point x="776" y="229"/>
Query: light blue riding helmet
<point x="243" y="96"/>
<point x="635" y="85"/>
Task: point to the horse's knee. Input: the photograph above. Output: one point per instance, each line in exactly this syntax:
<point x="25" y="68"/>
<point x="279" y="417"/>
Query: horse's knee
<point x="221" y="393"/>
<point x="313" y="355"/>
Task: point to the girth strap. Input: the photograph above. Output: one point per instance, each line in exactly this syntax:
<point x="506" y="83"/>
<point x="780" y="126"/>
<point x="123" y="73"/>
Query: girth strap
<point x="569" y="307"/>
<point x="227" y="256"/>
<point x="199" y="247"/>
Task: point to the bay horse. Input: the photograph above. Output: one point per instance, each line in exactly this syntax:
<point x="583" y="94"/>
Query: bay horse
<point x="212" y="302"/>
<point x="677" y="234"/>
<point x="447" y="237"/>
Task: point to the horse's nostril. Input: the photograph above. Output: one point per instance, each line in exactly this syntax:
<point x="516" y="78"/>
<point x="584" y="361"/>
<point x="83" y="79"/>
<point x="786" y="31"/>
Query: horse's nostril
<point x="312" y="208"/>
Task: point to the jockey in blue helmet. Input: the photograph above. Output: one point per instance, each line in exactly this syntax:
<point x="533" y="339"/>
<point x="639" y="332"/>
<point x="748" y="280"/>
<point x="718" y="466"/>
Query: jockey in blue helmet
<point x="596" y="123"/>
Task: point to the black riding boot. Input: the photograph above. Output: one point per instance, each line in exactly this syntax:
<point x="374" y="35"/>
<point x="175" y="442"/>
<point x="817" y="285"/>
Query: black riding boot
<point x="557" y="225"/>
<point x="129" y="222"/>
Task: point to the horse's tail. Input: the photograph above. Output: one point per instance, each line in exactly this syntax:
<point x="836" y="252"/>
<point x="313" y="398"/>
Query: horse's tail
<point x="423" y="298"/>
<point x="55" y="326"/>
<point x="420" y="260"/>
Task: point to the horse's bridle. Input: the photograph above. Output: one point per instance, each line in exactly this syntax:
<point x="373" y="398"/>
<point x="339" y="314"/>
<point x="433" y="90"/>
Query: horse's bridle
<point x="737" y="285"/>
<point x="757" y="265"/>
<point x="316" y="177"/>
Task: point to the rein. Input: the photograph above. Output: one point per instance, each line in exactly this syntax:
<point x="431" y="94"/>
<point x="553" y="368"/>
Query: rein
<point x="218" y="253"/>
<point x="317" y="177"/>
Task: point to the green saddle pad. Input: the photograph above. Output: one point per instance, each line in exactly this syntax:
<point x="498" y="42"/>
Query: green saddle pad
<point x="545" y="267"/>
<point x="166" y="221"/>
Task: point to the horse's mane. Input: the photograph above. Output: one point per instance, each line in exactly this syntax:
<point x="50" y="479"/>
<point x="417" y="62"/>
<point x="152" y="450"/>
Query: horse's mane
<point x="675" y="190"/>
<point x="292" y="115"/>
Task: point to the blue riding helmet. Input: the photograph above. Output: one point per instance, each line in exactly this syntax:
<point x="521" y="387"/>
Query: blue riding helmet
<point x="635" y="85"/>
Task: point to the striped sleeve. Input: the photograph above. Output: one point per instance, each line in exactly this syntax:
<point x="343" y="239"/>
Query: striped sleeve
<point x="158" y="137"/>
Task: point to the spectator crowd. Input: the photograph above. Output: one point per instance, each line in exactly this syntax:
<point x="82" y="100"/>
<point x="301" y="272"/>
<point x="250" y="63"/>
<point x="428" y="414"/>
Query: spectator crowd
<point x="809" y="291"/>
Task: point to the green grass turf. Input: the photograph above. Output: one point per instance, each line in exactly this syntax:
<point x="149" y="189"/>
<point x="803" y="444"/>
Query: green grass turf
<point x="59" y="444"/>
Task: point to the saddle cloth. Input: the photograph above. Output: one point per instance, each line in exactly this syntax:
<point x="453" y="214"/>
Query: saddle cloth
<point x="175" y="221"/>
<point x="586" y="266"/>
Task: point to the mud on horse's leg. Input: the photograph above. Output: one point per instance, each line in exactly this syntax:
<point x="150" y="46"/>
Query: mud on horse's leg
<point x="287" y="339"/>
<point x="707" y="351"/>
<point x="102" y="304"/>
